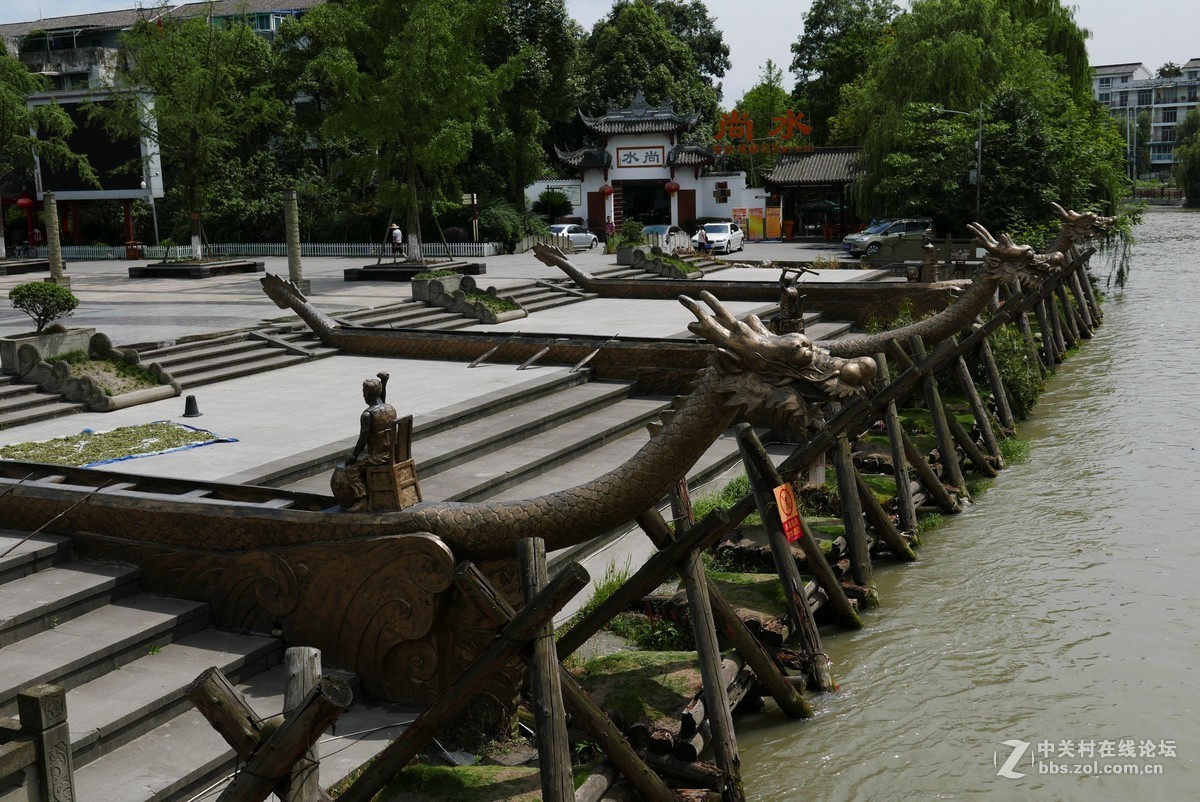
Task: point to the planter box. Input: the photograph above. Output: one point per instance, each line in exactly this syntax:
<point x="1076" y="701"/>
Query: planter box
<point x="428" y="289"/>
<point x="47" y="344"/>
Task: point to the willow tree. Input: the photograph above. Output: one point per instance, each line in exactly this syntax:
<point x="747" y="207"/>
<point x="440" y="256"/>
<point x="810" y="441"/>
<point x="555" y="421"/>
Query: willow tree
<point x="405" y="85"/>
<point x="1187" y="158"/>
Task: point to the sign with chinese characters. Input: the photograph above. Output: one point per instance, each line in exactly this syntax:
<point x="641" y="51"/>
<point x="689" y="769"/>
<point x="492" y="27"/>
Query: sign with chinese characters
<point x="756" y="223"/>
<point x="785" y="501"/>
<point x="655" y="156"/>
<point x="774" y="222"/>
<point x="735" y="134"/>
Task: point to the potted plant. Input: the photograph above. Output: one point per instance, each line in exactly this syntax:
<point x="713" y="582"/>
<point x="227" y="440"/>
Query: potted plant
<point x="45" y="302"/>
<point x="428" y="286"/>
<point x="628" y="237"/>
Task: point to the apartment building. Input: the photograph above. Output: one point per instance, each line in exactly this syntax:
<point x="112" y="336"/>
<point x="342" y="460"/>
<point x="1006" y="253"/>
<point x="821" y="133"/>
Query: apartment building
<point x="1130" y="89"/>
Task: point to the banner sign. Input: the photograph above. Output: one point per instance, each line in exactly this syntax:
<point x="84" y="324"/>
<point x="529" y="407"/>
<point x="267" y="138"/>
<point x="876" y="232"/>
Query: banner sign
<point x="785" y="500"/>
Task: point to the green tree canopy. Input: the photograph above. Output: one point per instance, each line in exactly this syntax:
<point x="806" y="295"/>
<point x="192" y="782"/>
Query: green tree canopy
<point x="839" y="39"/>
<point x="405" y="86"/>
<point x="1169" y="70"/>
<point x="762" y="103"/>
<point x="632" y="50"/>
<point x="1187" y="157"/>
<point x="210" y="98"/>
<point x="1044" y="138"/>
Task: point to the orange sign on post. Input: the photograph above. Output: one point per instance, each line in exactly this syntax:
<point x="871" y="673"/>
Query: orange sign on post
<point x="785" y="500"/>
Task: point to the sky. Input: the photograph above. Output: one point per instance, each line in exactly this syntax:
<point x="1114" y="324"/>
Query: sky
<point x="1151" y="31"/>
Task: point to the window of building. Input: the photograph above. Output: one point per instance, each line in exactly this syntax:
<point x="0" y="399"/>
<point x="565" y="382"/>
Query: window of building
<point x="1123" y="99"/>
<point x="1145" y="97"/>
<point x="1106" y="81"/>
<point x="1169" y="115"/>
<point x="1167" y="134"/>
<point x="1104" y="97"/>
<point x="1124" y="79"/>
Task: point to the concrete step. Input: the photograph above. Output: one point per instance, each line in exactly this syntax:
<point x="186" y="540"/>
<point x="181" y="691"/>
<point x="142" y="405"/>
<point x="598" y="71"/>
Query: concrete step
<point x="49" y="598"/>
<point x="169" y="351"/>
<point x="113" y="710"/>
<point x="24" y="555"/>
<point x="24" y="397"/>
<point x="10" y="387"/>
<point x="456" y="446"/>
<point x="827" y="329"/>
<point x="493" y="472"/>
<point x="184" y="757"/>
<point x="173" y="362"/>
<point x="207" y="363"/>
<point x="277" y="359"/>
<point x="93" y="644"/>
<point x="44" y="411"/>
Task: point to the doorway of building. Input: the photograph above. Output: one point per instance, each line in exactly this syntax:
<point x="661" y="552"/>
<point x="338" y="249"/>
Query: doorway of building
<point x="646" y="201"/>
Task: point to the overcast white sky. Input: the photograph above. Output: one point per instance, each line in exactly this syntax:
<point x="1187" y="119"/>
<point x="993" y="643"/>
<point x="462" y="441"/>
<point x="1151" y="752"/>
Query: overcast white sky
<point x="1151" y="31"/>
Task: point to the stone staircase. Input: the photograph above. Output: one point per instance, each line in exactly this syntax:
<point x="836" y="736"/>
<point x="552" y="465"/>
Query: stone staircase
<point x="23" y="403"/>
<point x="126" y="660"/>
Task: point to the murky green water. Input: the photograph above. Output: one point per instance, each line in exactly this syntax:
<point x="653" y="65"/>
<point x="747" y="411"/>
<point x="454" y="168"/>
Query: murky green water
<point x="1062" y="607"/>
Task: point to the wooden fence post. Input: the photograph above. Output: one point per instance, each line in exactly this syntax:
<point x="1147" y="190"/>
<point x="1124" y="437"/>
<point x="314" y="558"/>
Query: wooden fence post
<point x="550" y="722"/>
<point x="906" y="509"/>
<point x="303" y="667"/>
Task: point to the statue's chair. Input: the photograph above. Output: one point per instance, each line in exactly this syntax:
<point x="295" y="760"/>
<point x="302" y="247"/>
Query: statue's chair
<point x="394" y="486"/>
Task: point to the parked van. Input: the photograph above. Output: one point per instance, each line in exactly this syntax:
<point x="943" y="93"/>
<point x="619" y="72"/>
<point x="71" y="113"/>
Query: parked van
<point x="890" y="232"/>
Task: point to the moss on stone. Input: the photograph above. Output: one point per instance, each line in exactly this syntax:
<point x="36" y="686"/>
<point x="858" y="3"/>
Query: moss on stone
<point x="639" y="686"/>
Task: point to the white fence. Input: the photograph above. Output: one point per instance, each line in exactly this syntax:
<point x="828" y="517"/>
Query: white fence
<point x="435" y="250"/>
<point x="669" y="242"/>
<point x="560" y="241"/>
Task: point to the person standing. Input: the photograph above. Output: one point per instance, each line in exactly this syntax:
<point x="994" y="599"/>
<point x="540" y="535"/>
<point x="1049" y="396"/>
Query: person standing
<point x="396" y="238"/>
<point x="702" y="240"/>
<point x="610" y="228"/>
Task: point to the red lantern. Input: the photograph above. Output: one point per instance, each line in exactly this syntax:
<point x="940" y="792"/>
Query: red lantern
<point x="671" y="187"/>
<point x="24" y="203"/>
<point x="606" y="190"/>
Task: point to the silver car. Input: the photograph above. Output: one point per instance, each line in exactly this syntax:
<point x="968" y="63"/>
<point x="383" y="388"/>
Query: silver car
<point x="580" y="237"/>
<point x="887" y="232"/>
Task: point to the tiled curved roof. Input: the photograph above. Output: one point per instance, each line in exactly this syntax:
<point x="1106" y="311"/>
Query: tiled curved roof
<point x="585" y="157"/>
<point x="819" y="167"/>
<point x="640" y="118"/>
<point x="690" y="156"/>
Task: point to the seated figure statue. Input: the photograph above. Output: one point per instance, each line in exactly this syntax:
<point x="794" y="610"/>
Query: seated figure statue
<point x="375" y="446"/>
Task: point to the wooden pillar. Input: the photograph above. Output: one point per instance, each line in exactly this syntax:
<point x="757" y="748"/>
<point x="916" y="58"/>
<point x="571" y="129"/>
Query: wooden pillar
<point x="852" y="518"/>
<point x="128" y="209"/>
<point x="76" y="208"/>
<point x="996" y="382"/>
<point x="929" y="479"/>
<point x="1090" y="292"/>
<point x="1031" y="349"/>
<point x="763" y="481"/>
<point x="982" y="419"/>
<point x="1056" y="325"/>
<point x="1069" y="325"/>
<point x="716" y="698"/>
<point x="303" y="665"/>
<point x="550" y="722"/>
<point x="937" y="412"/>
<point x="906" y="509"/>
<point x="1050" y="350"/>
<point x="1081" y="304"/>
<point x="880" y="521"/>
<point x="43" y="714"/>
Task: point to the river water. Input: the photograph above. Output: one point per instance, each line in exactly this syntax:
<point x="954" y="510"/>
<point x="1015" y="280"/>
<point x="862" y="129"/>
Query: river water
<point x="1059" y="611"/>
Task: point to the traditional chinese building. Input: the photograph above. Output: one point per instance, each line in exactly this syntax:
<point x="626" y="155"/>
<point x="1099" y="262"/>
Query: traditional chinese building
<point x="639" y="169"/>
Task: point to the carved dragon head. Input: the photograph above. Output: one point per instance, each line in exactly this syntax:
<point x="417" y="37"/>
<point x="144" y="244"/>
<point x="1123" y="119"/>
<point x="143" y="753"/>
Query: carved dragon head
<point x="786" y="376"/>
<point x="1006" y="261"/>
<point x="280" y="290"/>
<point x="1079" y="227"/>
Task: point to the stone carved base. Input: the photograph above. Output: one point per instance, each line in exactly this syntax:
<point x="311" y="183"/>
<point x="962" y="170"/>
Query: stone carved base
<point x="382" y="607"/>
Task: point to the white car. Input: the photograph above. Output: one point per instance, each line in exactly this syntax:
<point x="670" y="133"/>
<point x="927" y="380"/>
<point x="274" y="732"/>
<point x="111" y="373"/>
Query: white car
<point x="580" y="237"/>
<point x="721" y="238"/>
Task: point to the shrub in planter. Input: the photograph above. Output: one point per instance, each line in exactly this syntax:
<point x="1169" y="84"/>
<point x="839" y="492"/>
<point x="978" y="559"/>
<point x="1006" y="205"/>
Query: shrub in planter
<point x="43" y="301"/>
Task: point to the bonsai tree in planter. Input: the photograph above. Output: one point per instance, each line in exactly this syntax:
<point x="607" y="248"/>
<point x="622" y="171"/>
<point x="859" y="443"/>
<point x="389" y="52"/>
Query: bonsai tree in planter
<point x="43" y="301"/>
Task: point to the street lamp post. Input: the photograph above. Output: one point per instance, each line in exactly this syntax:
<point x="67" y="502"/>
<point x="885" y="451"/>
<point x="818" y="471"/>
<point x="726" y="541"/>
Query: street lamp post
<point x="978" y="151"/>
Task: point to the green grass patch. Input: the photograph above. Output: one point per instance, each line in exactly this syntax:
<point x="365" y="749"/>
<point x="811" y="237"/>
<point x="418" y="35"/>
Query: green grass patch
<point x="652" y="633"/>
<point x="642" y="686"/>
<point x="90" y="447"/>
<point x="113" y="376"/>
<point x="1014" y="450"/>
<point x="492" y="302"/>
<point x="614" y="578"/>
<point x="436" y="274"/>
<point x="724" y="499"/>
<point x="762" y="593"/>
